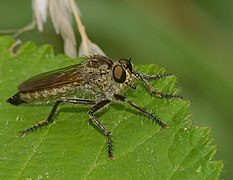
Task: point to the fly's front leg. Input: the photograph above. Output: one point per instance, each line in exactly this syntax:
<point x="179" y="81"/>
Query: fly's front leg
<point x="101" y="126"/>
<point x="151" y="89"/>
<point x="151" y="115"/>
<point x="157" y="76"/>
<point x="53" y="111"/>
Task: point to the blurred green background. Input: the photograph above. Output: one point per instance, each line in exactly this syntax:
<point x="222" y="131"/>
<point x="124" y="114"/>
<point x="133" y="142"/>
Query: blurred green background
<point x="193" y="39"/>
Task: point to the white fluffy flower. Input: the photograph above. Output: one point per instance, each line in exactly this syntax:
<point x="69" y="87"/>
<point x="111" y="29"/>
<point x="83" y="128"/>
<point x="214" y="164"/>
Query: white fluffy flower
<point x="60" y="13"/>
<point x="39" y="8"/>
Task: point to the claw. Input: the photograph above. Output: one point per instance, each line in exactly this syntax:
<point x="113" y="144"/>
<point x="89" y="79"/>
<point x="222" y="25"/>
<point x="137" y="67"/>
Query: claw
<point x="165" y="126"/>
<point x="111" y="157"/>
<point x="22" y="134"/>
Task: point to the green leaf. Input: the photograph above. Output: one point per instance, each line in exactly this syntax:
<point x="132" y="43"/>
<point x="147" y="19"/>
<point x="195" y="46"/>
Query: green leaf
<point x="72" y="147"/>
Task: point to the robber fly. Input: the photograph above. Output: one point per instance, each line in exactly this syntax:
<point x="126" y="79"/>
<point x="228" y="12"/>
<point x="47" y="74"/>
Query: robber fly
<point x="98" y="76"/>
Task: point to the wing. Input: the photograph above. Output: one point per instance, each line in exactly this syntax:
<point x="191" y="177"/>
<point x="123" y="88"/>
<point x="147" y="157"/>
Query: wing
<point x="53" y="78"/>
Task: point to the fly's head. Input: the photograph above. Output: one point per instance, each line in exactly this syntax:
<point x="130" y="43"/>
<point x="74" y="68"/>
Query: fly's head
<point x="123" y="73"/>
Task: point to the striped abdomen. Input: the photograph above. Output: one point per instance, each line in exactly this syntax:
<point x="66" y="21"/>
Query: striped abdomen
<point x="40" y="95"/>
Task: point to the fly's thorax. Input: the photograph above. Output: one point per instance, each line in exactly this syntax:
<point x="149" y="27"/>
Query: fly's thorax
<point x="100" y="82"/>
<point x="106" y="78"/>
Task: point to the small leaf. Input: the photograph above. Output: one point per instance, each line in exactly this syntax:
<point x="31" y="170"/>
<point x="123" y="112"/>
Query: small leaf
<point x="73" y="148"/>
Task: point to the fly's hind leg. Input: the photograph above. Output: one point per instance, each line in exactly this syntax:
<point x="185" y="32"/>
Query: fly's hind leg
<point x="53" y="111"/>
<point x="101" y="126"/>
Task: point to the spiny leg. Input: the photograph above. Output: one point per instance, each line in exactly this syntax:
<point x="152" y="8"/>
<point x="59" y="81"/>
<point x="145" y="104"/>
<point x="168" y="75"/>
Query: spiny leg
<point x="52" y="113"/>
<point x="151" y="115"/>
<point x="152" y="90"/>
<point x="101" y="126"/>
<point x="157" y="76"/>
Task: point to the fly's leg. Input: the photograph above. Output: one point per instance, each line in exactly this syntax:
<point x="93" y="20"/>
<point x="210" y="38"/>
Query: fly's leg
<point x="157" y="76"/>
<point x="95" y="108"/>
<point x="152" y="90"/>
<point x="151" y="115"/>
<point x="53" y="111"/>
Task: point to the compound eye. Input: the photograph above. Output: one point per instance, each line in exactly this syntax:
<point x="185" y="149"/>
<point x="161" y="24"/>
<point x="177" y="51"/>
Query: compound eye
<point x="119" y="74"/>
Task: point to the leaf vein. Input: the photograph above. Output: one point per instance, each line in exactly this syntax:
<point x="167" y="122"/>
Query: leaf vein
<point x="33" y="153"/>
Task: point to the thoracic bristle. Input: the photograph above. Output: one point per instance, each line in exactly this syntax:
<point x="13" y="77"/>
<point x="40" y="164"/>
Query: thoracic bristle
<point x="16" y="100"/>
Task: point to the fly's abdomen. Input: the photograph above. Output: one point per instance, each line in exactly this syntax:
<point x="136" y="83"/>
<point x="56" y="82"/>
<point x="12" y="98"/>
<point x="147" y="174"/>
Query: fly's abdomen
<point x="40" y="95"/>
